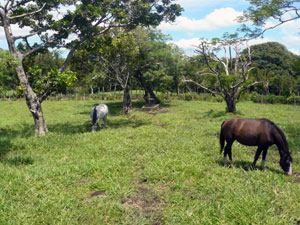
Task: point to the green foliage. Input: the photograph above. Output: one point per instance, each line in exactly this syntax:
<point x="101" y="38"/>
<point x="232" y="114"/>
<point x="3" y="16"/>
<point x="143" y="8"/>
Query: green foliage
<point x="51" y="80"/>
<point x="8" y="74"/>
<point x="260" y="11"/>
<point x="255" y="97"/>
<point x="273" y="57"/>
<point x="162" y="167"/>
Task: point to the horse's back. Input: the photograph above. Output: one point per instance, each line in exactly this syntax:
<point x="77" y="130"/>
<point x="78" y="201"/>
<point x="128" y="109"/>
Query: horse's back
<point x="101" y="110"/>
<point x="251" y="132"/>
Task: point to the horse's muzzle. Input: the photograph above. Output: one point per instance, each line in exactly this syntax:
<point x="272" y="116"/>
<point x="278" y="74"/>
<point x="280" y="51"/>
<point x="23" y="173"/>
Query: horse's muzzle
<point x="290" y="170"/>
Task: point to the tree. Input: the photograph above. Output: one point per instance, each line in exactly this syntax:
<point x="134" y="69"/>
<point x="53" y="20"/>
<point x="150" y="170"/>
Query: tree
<point x="270" y="59"/>
<point x="230" y="75"/>
<point x="118" y="58"/>
<point x="85" y="19"/>
<point x="158" y="63"/>
<point x="260" y="11"/>
<point x="273" y="57"/>
<point x="90" y="74"/>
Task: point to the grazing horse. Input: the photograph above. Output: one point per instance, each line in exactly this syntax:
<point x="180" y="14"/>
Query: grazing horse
<point x="256" y="132"/>
<point x="99" y="112"/>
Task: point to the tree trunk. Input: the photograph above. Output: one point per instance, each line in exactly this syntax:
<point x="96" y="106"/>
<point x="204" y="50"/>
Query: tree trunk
<point x="146" y="98"/>
<point x="147" y="88"/>
<point x="266" y="85"/>
<point x="34" y="104"/>
<point x="92" y="90"/>
<point x="32" y="100"/>
<point x="127" y="104"/>
<point x="230" y="103"/>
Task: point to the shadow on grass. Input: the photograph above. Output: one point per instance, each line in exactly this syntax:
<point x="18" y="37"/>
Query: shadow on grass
<point x="216" y="114"/>
<point x="24" y="130"/>
<point x="69" y="128"/>
<point x="17" y="161"/>
<point x="6" y="146"/>
<point x="247" y="166"/>
<point x="116" y="108"/>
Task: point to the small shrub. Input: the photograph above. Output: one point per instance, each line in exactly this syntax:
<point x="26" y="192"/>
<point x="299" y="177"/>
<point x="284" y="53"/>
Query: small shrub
<point x="293" y="100"/>
<point x="255" y="97"/>
<point x="269" y="99"/>
<point x="217" y="98"/>
<point x="280" y="100"/>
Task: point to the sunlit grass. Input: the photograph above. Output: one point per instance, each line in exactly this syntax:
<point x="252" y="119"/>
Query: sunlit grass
<point x="145" y="168"/>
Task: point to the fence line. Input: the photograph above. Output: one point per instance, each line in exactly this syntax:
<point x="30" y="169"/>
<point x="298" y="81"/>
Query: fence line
<point x="165" y="96"/>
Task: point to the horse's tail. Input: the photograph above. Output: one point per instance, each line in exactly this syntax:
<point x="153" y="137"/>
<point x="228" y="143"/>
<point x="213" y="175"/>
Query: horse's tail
<point x="222" y="139"/>
<point x="94" y="115"/>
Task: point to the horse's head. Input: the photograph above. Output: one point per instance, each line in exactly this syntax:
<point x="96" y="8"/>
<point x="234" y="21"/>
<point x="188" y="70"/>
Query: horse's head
<point x="286" y="164"/>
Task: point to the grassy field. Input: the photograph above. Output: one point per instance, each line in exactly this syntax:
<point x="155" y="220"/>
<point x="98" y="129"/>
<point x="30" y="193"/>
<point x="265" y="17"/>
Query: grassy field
<point x="146" y="168"/>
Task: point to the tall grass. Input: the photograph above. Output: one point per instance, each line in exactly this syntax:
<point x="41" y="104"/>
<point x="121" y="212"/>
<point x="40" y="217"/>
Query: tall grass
<point x="161" y="167"/>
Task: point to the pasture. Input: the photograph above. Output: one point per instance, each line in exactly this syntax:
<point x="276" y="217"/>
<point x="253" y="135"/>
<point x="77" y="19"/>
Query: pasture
<point x="145" y="168"/>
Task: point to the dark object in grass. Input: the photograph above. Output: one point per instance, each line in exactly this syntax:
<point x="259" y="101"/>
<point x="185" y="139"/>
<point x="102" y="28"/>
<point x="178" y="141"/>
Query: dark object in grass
<point x="256" y="132"/>
<point x="99" y="112"/>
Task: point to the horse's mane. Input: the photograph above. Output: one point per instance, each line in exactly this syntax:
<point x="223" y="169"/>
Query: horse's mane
<point x="279" y="131"/>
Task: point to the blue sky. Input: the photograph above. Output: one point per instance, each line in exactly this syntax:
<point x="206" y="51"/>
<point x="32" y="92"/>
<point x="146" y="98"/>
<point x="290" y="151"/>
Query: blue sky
<point x="208" y="19"/>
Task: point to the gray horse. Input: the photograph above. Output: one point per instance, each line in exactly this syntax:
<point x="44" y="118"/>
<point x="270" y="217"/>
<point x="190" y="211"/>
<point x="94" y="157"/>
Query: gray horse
<point x="99" y="112"/>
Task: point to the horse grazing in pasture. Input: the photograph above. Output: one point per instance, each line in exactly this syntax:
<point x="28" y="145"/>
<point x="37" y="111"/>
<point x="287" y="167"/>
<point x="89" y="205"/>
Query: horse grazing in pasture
<point x="256" y="132"/>
<point x="99" y="112"/>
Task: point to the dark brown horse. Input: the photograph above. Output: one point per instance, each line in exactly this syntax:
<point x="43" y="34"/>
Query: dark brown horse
<point x="256" y="132"/>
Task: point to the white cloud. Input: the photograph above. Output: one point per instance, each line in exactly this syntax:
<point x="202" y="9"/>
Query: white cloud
<point x="224" y="17"/>
<point x="190" y="44"/>
<point x="192" y="4"/>
<point x="16" y="31"/>
<point x="187" y="44"/>
<point x="295" y="51"/>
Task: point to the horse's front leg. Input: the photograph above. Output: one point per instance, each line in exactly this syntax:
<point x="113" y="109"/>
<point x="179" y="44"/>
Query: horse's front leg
<point x="258" y="152"/>
<point x="104" y="122"/>
<point x="264" y="159"/>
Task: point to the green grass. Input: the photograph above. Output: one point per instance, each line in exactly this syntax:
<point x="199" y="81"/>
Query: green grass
<point x="159" y="168"/>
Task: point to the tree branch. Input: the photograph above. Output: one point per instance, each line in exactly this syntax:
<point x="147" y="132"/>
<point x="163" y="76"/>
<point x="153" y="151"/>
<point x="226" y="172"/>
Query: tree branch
<point x="25" y="36"/>
<point x="36" y="49"/>
<point x="28" y="14"/>
<point x="201" y="86"/>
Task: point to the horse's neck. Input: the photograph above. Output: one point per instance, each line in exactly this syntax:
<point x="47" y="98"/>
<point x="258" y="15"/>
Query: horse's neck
<point x="282" y="145"/>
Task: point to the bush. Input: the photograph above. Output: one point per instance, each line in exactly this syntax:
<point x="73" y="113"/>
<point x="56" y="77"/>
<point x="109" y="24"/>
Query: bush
<point x="254" y="97"/>
<point x="269" y="99"/>
<point x="293" y="100"/>
<point x="280" y="99"/>
<point x="217" y="98"/>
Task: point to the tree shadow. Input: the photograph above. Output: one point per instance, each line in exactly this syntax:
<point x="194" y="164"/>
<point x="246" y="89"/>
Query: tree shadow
<point x="69" y="128"/>
<point x="116" y="108"/>
<point x="18" y="161"/>
<point x="6" y="145"/>
<point x="23" y="130"/>
<point x="5" y="148"/>
<point x="216" y="114"/>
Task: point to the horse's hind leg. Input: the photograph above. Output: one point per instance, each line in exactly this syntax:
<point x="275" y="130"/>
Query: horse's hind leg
<point x="227" y="151"/>
<point x="257" y="154"/>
